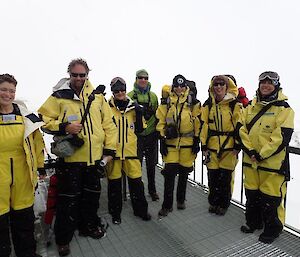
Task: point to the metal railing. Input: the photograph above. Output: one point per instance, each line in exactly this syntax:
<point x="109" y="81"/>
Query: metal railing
<point x="240" y="202"/>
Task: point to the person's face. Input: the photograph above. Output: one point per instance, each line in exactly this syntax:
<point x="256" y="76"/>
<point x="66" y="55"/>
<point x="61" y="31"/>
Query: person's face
<point x="120" y="95"/>
<point x="7" y="93"/>
<point x="179" y="90"/>
<point x="219" y="90"/>
<point x="142" y="81"/>
<point x="266" y="87"/>
<point x="78" y="75"/>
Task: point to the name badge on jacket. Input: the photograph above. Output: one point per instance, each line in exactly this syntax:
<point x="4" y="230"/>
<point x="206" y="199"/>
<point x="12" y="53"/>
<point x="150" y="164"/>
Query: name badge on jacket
<point x="8" y="117"/>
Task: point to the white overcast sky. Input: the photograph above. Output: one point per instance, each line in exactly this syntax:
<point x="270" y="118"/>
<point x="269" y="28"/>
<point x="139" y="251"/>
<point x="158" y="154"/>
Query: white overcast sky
<point x="196" y="38"/>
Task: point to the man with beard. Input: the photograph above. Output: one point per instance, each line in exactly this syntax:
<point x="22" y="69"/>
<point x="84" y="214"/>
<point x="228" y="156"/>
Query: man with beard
<point x="78" y="177"/>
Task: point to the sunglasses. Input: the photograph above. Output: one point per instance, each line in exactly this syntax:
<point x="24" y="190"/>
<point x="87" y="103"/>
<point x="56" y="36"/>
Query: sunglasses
<point x="75" y="75"/>
<point x="222" y="84"/>
<point x="140" y="77"/>
<point x="176" y="85"/>
<point x="116" y="91"/>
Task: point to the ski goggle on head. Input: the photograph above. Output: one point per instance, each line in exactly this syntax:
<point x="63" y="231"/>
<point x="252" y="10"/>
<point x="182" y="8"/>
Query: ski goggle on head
<point x="271" y="75"/>
<point x="118" y="84"/>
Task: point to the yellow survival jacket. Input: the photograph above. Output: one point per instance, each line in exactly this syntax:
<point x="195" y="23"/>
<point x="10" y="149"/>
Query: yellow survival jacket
<point x="219" y="121"/>
<point x="33" y="143"/>
<point x="186" y="117"/>
<point x="99" y="131"/>
<point x="127" y="124"/>
<point x="270" y="134"/>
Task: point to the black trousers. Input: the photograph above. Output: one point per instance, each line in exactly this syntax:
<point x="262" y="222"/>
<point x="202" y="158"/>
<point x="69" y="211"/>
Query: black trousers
<point x="148" y="146"/>
<point x="262" y="209"/>
<point x="254" y="218"/>
<point x="78" y="188"/>
<point x="219" y="183"/>
<point x="21" y="224"/>
<point x="137" y="196"/>
<point x="170" y="172"/>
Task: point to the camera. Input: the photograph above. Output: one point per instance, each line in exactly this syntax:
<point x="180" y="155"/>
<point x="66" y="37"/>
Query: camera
<point x="171" y="131"/>
<point x="147" y="111"/>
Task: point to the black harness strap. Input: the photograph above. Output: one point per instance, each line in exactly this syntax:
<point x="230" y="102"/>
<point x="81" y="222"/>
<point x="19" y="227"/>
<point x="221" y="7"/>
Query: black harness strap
<point x="261" y="113"/>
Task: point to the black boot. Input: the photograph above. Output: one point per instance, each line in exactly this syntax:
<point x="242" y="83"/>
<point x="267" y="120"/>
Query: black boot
<point x="138" y="200"/>
<point x="115" y="199"/>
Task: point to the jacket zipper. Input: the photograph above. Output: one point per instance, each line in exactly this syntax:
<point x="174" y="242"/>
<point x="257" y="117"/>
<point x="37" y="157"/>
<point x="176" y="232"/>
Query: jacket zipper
<point x="217" y="123"/>
<point x="126" y="131"/>
<point x="12" y="171"/>
<point x="123" y="135"/>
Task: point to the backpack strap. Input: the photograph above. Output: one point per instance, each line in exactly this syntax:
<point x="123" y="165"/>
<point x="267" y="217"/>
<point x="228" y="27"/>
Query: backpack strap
<point x="261" y="113"/>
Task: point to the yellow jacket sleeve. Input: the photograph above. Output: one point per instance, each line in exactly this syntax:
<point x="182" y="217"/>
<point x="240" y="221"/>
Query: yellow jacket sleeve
<point x="39" y="147"/>
<point x="204" y="127"/>
<point x="50" y="112"/>
<point x="161" y="114"/>
<point x="196" y="116"/>
<point x="284" y="121"/>
<point x="109" y="127"/>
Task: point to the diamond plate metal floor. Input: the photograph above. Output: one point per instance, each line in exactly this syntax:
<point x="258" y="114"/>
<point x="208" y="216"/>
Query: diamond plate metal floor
<point x="189" y="233"/>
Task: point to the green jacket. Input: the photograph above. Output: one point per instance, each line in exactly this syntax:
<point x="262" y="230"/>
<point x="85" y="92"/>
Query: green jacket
<point x="147" y="99"/>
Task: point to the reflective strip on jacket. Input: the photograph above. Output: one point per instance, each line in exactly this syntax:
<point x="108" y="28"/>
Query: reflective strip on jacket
<point x="99" y="131"/>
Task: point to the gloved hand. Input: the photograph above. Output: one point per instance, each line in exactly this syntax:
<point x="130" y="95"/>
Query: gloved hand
<point x="256" y="155"/>
<point x="41" y="172"/>
<point x="163" y="147"/>
<point x="196" y="145"/>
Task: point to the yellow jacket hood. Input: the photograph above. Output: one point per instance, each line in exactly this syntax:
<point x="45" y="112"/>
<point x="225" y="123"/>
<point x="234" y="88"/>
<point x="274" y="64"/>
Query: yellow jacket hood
<point x="231" y="93"/>
<point x="32" y="122"/>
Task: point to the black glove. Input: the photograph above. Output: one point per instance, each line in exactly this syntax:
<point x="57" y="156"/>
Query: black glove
<point x="258" y="157"/>
<point x="256" y="154"/>
<point x="163" y="147"/>
<point x="41" y="171"/>
<point x="139" y="118"/>
<point x="196" y="145"/>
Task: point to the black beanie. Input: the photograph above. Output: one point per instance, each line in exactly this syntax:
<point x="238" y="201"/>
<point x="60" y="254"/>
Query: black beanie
<point x="179" y="80"/>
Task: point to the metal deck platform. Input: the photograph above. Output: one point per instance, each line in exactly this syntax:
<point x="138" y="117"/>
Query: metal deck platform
<point x="183" y="233"/>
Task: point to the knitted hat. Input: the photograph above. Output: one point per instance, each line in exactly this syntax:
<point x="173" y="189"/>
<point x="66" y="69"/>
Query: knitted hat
<point x="142" y="73"/>
<point x="179" y="80"/>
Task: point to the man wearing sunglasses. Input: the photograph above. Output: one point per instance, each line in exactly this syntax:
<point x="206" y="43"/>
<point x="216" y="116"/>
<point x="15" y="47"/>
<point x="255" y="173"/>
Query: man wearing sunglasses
<point x="78" y="177"/>
<point x="265" y="133"/>
<point x="147" y="139"/>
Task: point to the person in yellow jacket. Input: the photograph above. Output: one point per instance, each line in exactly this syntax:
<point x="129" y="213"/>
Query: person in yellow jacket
<point x="265" y="133"/>
<point x="179" y="128"/>
<point x="220" y="115"/>
<point x="21" y="155"/>
<point x="78" y="177"/>
<point x="129" y="121"/>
